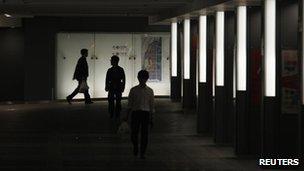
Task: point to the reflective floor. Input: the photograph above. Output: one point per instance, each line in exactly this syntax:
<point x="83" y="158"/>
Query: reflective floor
<point x="58" y="136"/>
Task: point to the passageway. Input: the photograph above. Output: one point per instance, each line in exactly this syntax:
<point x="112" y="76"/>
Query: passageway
<point x="58" y="136"/>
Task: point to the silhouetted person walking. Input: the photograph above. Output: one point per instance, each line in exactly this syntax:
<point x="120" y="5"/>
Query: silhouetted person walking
<point x="141" y="105"/>
<point x="115" y="85"/>
<point x="81" y="74"/>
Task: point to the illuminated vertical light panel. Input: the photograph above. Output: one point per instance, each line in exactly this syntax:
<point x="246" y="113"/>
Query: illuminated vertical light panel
<point x="187" y="49"/>
<point x="270" y="48"/>
<point x="220" y="22"/>
<point x="241" y="60"/>
<point x="203" y="49"/>
<point x="174" y="49"/>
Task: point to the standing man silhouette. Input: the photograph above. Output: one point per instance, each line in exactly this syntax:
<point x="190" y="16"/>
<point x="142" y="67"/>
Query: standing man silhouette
<point x="115" y="85"/>
<point x="81" y="74"/>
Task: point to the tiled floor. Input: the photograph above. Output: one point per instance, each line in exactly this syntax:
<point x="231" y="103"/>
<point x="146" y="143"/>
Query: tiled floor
<point x="58" y="136"/>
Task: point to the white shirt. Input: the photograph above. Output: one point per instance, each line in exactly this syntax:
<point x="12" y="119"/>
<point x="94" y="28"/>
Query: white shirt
<point x="141" y="98"/>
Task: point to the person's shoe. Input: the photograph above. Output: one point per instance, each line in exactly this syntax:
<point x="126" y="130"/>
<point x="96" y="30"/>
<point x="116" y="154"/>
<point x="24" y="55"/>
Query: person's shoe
<point x="69" y="100"/>
<point x="90" y="102"/>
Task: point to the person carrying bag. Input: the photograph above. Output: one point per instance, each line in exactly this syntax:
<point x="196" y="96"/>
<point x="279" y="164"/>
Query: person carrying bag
<point x="81" y="74"/>
<point x="141" y="105"/>
<point x="83" y="87"/>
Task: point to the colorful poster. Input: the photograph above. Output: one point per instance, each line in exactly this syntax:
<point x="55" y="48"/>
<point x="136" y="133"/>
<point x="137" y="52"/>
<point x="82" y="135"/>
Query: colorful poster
<point x="152" y="57"/>
<point x="290" y="82"/>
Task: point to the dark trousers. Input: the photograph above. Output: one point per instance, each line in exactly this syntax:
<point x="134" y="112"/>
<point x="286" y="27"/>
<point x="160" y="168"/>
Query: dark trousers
<point x="76" y="91"/>
<point x="114" y="109"/>
<point x="140" y="121"/>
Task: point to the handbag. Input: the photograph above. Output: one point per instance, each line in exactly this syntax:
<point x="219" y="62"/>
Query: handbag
<point x="83" y="87"/>
<point x="123" y="128"/>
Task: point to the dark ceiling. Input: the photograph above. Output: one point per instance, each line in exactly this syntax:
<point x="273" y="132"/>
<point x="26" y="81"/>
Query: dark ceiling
<point x="158" y="11"/>
<point x="90" y="7"/>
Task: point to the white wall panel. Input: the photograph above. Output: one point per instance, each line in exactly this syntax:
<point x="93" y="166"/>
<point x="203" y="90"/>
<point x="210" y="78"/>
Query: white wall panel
<point x="68" y="53"/>
<point x="100" y="50"/>
<point x="104" y="51"/>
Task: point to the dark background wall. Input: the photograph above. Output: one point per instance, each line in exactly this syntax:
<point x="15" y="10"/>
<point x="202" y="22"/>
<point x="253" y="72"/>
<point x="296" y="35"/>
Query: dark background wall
<point x="39" y="58"/>
<point x="193" y="58"/>
<point x="229" y="53"/>
<point x="210" y="56"/>
<point x="28" y="53"/>
<point x="289" y="127"/>
<point x="254" y="83"/>
<point x="11" y="64"/>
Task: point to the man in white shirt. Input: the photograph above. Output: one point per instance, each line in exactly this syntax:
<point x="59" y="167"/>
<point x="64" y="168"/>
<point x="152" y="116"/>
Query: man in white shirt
<point x="141" y="105"/>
